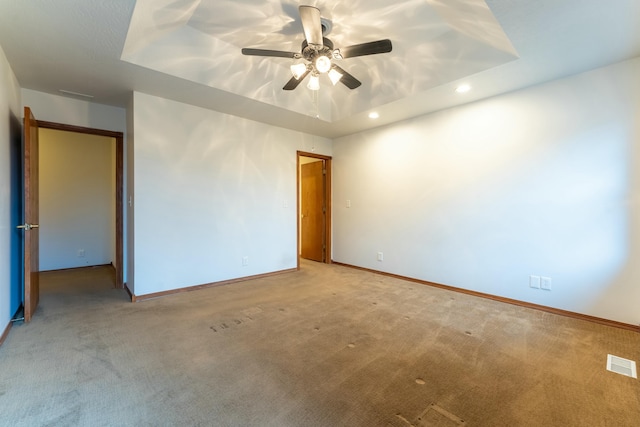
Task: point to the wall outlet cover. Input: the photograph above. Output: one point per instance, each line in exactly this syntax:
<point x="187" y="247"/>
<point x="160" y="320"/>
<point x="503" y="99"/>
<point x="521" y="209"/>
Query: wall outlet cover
<point x="534" y="282"/>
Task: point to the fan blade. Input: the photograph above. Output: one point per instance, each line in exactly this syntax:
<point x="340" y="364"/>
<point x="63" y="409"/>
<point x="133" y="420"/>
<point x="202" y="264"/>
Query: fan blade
<point x="293" y="82"/>
<point x="371" y="48"/>
<point x="267" y="52"/>
<point x="311" y="24"/>
<point x="347" y="79"/>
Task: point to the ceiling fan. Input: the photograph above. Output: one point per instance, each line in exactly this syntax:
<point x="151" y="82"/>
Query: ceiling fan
<point x="317" y="54"/>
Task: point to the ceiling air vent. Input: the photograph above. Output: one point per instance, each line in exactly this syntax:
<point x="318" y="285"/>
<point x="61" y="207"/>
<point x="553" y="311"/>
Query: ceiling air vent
<point x="621" y="366"/>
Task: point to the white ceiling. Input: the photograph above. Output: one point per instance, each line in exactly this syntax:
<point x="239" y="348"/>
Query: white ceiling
<point x="189" y="51"/>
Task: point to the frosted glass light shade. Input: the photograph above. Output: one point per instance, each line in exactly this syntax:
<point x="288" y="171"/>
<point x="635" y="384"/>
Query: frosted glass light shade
<point x="314" y="83"/>
<point x="298" y="70"/>
<point x="323" y="64"/>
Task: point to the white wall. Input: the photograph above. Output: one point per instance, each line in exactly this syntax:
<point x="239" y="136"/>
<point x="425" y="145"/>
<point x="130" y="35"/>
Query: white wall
<point x="10" y="129"/>
<point x="210" y="189"/>
<point x="76" y="112"/>
<point x="543" y="181"/>
<point x="77" y="200"/>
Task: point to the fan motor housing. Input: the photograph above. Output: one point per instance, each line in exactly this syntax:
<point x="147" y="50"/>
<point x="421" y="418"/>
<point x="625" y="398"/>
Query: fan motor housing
<point x="310" y="54"/>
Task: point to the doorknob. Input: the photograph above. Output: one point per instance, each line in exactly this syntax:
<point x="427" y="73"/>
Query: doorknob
<point x="28" y="226"/>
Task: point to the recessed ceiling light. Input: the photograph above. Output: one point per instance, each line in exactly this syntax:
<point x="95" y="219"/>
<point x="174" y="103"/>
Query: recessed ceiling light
<point x="373" y="115"/>
<point x="463" y="88"/>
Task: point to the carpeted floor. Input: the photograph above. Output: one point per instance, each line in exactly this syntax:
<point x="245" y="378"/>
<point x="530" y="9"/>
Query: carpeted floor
<point x="325" y="346"/>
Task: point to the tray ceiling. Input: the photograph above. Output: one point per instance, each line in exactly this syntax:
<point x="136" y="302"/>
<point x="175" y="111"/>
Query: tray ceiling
<point x="434" y="43"/>
<point x="189" y="51"/>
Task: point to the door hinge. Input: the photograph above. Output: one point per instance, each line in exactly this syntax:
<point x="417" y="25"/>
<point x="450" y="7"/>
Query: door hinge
<point x="324" y="171"/>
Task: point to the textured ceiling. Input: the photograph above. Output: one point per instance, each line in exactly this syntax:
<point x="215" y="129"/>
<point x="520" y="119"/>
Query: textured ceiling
<point x="189" y="51"/>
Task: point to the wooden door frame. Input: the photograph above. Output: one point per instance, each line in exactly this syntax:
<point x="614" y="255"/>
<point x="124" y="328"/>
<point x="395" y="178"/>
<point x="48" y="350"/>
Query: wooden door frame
<point x="119" y="137"/>
<point x="31" y="213"/>
<point x="327" y="198"/>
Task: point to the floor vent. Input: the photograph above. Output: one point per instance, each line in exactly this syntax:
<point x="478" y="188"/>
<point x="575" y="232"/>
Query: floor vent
<point x="621" y="366"/>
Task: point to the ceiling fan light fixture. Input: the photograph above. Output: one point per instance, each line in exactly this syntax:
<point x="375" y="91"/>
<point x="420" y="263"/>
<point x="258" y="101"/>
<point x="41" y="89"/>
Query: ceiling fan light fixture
<point x="323" y="64"/>
<point x="314" y="82"/>
<point x="317" y="53"/>
<point x="335" y="76"/>
<point x="298" y="70"/>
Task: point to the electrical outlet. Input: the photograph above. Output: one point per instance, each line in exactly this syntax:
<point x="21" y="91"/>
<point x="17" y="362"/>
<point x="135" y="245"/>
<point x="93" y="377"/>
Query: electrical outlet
<point x="80" y="253"/>
<point x="245" y="261"/>
<point x="380" y="256"/>
<point x="534" y="282"/>
<point x="348" y="203"/>
<point x="545" y="283"/>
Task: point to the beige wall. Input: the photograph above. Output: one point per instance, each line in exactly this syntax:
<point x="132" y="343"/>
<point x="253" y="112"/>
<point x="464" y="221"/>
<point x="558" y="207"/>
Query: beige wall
<point x="77" y="199"/>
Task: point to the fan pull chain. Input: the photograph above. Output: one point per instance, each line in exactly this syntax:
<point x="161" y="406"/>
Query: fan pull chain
<point x="316" y="103"/>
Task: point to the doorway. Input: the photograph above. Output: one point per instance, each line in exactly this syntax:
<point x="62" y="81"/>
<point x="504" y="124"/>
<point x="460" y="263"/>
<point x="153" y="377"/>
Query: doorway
<point x="90" y="221"/>
<point x="314" y="207"/>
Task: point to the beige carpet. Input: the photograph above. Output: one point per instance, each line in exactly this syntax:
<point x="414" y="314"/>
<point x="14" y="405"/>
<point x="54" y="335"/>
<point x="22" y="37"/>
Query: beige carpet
<point x="325" y="346"/>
